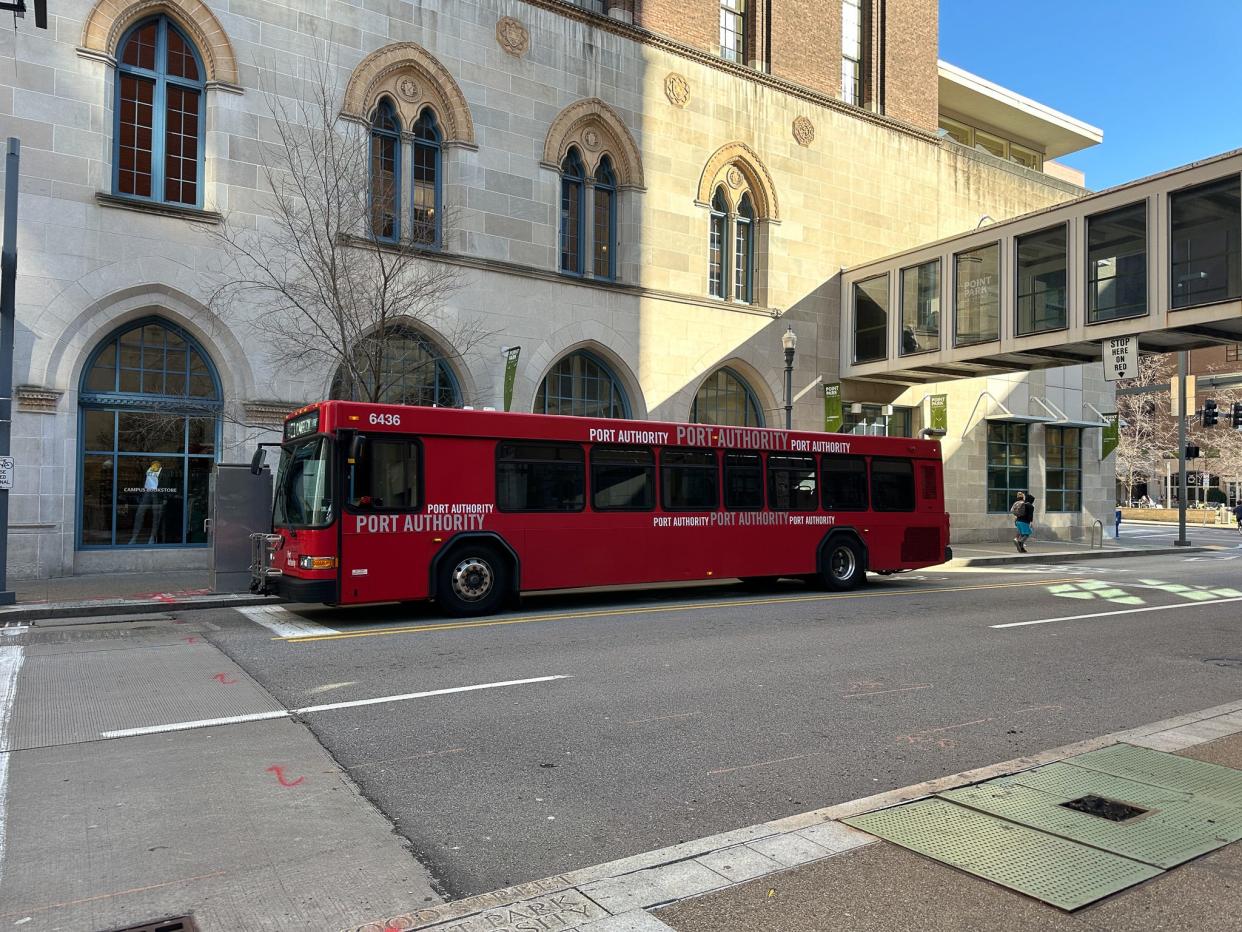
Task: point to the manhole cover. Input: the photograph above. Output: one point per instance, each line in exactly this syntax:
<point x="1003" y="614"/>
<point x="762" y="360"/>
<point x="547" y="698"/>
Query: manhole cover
<point x="1109" y="809"/>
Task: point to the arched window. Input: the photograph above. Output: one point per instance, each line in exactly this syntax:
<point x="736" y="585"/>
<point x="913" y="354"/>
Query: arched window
<point x="725" y="398"/>
<point x="605" y="195"/>
<point x="743" y="250"/>
<point x="426" y="193"/>
<point x="400" y="367"/>
<point x="385" y="172"/>
<point x="717" y="243"/>
<point x="159" y="115"/>
<point x="572" y="178"/>
<point x="148" y="429"/>
<point x="581" y="384"/>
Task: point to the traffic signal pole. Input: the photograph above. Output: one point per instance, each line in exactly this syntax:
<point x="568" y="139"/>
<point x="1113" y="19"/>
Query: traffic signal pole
<point x="1181" y="451"/>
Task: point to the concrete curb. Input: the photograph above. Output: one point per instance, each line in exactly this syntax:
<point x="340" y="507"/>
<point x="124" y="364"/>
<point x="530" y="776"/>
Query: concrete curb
<point x="614" y="897"/>
<point x="1073" y="557"/>
<point x="100" y="608"/>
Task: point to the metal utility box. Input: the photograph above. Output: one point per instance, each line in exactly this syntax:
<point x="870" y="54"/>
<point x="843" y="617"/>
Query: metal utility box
<point x="241" y="505"/>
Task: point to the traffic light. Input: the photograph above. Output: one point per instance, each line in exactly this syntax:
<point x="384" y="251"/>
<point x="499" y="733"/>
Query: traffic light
<point x="1210" y="413"/>
<point x="1192" y="451"/>
<point x="1235" y="416"/>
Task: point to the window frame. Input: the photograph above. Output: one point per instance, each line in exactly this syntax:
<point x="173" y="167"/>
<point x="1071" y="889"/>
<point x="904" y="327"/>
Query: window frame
<point x="724" y="481"/>
<point x="393" y="136"/>
<point x="734" y="13"/>
<point x="579" y="219"/>
<point x="159" y="110"/>
<point x="1009" y="445"/>
<point x="1017" y="282"/>
<point x="498" y="460"/>
<point x="901" y="302"/>
<point x="744" y="233"/>
<point x="770" y="474"/>
<point x="347" y="472"/>
<point x="1000" y="304"/>
<point x="854" y="97"/>
<point x="823" y="482"/>
<point x="437" y="147"/>
<point x="664" y="484"/>
<point x="1169" y="199"/>
<point x="718" y="224"/>
<point x="1092" y="279"/>
<point x="618" y="391"/>
<point x="888" y="300"/>
<point x="876" y="506"/>
<point x="609" y="189"/>
<point x="651" y="469"/>
<point x="733" y="377"/>
<point x="1061" y="468"/>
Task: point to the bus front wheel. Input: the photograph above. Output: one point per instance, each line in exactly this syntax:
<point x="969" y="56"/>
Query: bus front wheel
<point x="472" y="581"/>
<point x="843" y="564"/>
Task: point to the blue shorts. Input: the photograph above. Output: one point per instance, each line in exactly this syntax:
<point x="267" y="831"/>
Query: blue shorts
<point x="1023" y="528"/>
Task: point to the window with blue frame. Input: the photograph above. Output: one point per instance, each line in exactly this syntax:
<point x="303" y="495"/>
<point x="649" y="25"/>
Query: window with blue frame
<point x="573" y="178"/>
<point x="582" y="385"/>
<point x="158" y="148"/>
<point x="605" y="203"/>
<point x="149" y="426"/>
<point x="743" y="250"/>
<point x="402" y="367"/>
<point x="385" y="172"/>
<point x="425" y="195"/>
<point x="725" y="398"/>
<point x="717" y="244"/>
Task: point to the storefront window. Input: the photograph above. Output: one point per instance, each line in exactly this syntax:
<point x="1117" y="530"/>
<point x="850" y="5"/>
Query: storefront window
<point x="150" y="418"/>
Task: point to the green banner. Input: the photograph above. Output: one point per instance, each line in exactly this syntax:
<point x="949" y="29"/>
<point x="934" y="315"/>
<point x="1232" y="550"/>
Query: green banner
<point x="1110" y="436"/>
<point x="832" y="407"/>
<point x="511" y="358"/>
<point x="939" y="412"/>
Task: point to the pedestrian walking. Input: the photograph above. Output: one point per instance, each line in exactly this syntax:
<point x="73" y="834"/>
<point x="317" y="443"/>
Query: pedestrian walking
<point x="1237" y="515"/>
<point x="1023" y="511"/>
<point x="1116" y="521"/>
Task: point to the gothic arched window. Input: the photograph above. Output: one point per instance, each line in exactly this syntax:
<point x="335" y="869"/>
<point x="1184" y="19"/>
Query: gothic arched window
<point x="605" y="227"/>
<point x="573" y="177"/>
<point x="386" y="172"/>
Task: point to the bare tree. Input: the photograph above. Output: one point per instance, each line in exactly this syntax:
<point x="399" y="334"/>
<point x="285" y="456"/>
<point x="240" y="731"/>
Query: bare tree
<point x="1147" y="430"/>
<point x="332" y="278"/>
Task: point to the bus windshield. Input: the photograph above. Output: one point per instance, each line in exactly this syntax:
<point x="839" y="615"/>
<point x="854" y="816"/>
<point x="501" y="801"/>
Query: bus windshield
<point x="304" y="485"/>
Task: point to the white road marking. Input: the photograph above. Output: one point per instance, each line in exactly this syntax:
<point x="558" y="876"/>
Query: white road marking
<point x="285" y="713"/>
<point x="10" y="663"/>
<point x="282" y="622"/>
<point x="1128" y="611"/>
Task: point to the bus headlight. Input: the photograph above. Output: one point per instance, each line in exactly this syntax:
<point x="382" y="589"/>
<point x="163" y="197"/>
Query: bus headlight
<point x="317" y="563"/>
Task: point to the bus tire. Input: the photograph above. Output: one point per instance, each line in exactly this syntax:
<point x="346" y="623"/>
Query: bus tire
<point x="473" y="580"/>
<point x="844" y="565"/>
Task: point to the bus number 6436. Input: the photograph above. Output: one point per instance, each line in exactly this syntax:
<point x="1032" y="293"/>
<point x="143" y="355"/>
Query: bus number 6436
<point x="392" y="420"/>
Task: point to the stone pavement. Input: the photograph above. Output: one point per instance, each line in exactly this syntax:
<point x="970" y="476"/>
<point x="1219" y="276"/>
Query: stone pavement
<point x="811" y="873"/>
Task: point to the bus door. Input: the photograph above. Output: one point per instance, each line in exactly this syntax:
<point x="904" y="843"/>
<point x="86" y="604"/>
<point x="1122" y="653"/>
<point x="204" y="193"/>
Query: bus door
<point x="384" y="549"/>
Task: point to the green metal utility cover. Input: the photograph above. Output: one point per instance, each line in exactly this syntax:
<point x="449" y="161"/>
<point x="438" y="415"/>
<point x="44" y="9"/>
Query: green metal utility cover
<point x="1223" y="784"/>
<point x="1174" y="829"/>
<point x="1058" y="871"/>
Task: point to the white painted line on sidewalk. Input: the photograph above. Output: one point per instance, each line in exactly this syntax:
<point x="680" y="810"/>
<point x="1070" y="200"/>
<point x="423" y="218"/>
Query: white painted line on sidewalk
<point x="285" y="713"/>
<point x="282" y="622"/>
<point x="1128" y="611"/>
<point x="10" y="663"/>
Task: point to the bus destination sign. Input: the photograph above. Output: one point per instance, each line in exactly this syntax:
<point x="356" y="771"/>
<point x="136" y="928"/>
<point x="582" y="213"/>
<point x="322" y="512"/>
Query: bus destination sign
<point x="302" y="425"/>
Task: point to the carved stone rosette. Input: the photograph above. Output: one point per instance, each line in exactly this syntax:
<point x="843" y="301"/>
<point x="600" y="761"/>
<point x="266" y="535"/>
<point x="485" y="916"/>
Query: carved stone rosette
<point x="677" y="89"/>
<point x="803" y="131"/>
<point x="512" y="36"/>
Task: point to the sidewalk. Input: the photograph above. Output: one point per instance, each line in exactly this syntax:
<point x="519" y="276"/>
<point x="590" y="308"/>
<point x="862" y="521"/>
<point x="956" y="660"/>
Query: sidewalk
<point x="813" y="873"/>
<point x="1058" y="551"/>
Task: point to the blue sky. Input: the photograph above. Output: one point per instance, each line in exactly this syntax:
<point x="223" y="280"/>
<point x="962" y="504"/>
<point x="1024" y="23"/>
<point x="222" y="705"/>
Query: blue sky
<point x="1162" y="79"/>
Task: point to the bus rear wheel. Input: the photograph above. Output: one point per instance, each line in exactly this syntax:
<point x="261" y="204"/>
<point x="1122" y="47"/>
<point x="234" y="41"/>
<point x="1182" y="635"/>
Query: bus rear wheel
<point x="843" y="565"/>
<point x="472" y="581"/>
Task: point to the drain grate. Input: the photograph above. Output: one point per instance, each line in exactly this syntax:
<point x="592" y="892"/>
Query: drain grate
<point x="1055" y="870"/>
<point x="1111" y="809"/>
<point x="1166" y="770"/>
<point x="177" y="924"/>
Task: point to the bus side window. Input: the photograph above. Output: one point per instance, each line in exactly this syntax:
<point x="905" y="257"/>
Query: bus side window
<point x="743" y="481"/>
<point x="386" y="476"/>
<point x="688" y="480"/>
<point x="845" y="483"/>
<point x="791" y="483"/>
<point x="622" y="479"/>
<point x="540" y="477"/>
<point x="892" y="485"/>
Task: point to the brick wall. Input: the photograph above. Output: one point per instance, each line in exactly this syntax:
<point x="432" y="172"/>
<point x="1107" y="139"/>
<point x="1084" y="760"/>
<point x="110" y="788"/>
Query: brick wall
<point x="806" y="43"/>
<point x="911" y="48"/>
<point x="694" y="22"/>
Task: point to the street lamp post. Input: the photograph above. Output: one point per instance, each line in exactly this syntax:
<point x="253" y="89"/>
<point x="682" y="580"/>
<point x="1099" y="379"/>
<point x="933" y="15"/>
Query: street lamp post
<point x="789" y="340"/>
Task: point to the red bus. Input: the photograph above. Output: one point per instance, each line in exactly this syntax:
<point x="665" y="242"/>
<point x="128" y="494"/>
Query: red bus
<point x="390" y="503"/>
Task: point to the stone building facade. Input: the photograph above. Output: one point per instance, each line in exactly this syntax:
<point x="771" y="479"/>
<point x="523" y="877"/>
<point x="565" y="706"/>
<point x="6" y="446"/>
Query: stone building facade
<point x="115" y="313"/>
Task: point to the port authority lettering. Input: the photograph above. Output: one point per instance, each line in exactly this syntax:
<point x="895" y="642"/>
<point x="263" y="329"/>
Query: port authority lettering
<point x="733" y="438"/>
<point x="467" y="516"/>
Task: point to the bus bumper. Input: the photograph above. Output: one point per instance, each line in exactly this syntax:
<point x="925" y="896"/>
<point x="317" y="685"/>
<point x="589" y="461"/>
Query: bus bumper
<point x="293" y="589"/>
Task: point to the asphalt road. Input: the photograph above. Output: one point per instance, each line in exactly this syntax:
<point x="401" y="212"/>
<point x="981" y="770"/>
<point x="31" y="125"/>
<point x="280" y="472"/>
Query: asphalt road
<point x="703" y="710"/>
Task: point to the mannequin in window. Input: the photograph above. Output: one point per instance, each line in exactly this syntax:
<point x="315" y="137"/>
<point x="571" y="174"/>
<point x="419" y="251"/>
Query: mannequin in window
<point x="151" y="503"/>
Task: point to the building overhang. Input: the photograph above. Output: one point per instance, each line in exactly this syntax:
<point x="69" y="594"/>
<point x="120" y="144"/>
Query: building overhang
<point x="981" y="101"/>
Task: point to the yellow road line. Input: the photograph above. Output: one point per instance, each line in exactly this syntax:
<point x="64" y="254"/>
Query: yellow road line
<point x="648" y="610"/>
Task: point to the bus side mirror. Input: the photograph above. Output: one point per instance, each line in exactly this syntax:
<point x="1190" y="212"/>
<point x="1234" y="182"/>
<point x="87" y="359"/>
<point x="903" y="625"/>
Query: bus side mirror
<point x="256" y="461"/>
<point x="355" y="447"/>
